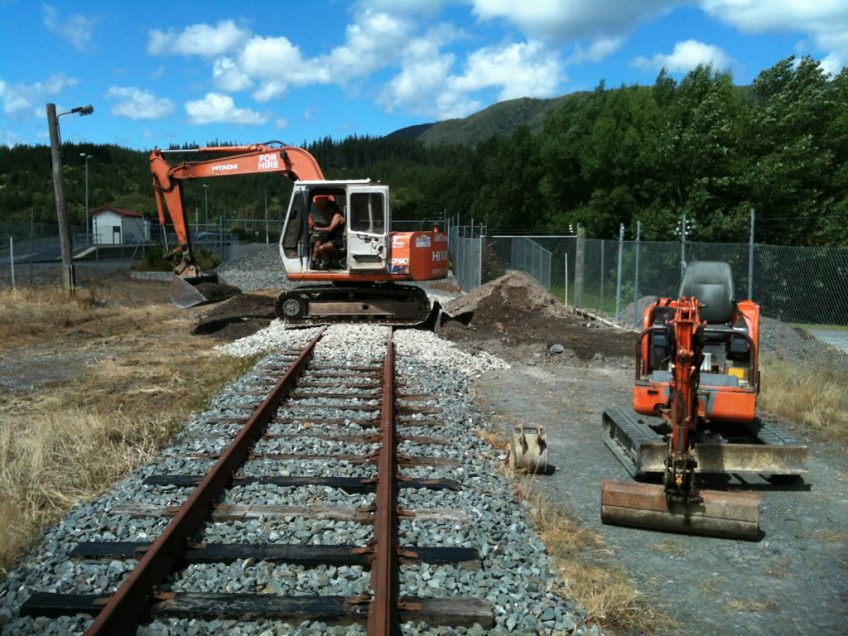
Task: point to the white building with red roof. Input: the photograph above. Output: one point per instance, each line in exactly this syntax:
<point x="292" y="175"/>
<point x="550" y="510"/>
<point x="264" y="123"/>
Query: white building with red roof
<point x="118" y="226"/>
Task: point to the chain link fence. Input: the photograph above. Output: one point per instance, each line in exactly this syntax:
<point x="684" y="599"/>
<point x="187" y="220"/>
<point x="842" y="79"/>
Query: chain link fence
<point x="30" y="253"/>
<point x="803" y="287"/>
<point x="465" y="247"/>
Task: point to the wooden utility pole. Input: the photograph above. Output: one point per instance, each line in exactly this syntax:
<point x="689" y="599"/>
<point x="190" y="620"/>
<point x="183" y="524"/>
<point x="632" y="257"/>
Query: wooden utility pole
<point x="65" y="238"/>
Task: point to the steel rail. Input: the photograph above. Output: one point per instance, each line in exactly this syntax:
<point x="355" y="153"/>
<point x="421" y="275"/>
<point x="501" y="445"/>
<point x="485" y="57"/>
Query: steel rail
<point x="121" y="613"/>
<point x="383" y="616"/>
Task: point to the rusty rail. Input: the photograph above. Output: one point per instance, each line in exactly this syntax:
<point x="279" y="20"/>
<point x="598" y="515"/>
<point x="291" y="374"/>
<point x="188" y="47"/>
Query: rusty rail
<point x="122" y="611"/>
<point x="383" y="610"/>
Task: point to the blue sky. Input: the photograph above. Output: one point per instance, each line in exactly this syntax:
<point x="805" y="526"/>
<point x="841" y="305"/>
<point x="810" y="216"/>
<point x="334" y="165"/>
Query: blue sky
<point x="173" y="72"/>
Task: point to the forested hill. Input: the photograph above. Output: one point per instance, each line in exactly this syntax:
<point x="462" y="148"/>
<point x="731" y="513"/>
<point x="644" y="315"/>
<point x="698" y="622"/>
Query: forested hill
<point x="498" y="120"/>
<point x="699" y="146"/>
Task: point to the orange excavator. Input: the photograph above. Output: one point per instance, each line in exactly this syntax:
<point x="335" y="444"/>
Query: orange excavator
<point x="363" y="278"/>
<point x="697" y="369"/>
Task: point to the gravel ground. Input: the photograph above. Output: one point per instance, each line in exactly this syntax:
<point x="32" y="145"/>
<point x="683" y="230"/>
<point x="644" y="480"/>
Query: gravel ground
<point x="261" y="269"/>
<point x="515" y="576"/>
<point x="709" y="586"/>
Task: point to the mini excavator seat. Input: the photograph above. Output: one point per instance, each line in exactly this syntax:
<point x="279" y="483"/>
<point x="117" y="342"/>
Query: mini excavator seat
<point x="725" y="344"/>
<point x="711" y="282"/>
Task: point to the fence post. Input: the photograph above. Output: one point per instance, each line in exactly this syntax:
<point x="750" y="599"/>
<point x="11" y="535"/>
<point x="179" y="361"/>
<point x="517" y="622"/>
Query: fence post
<point x="682" y="247"/>
<point x="221" y="234"/>
<point x="618" y="279"/>
<point x="603" y="270"/>
<point x="12" y="257"/>
<point x="579" y="256"/>
<point x="565" y="294"/>
<point x="480" y="256"/>
<point x="31" y="240"/>
<point x="751" y="257"/>
<point x="636" y="276"/>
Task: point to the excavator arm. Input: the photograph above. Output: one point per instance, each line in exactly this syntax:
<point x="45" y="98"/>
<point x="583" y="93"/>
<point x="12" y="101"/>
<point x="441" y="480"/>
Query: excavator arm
<point x="295" y="163"/>
<point x="686" y="331"/>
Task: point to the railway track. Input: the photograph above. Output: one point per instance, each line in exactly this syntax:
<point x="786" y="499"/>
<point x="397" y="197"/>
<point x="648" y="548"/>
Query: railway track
<point x="308" y="427"/>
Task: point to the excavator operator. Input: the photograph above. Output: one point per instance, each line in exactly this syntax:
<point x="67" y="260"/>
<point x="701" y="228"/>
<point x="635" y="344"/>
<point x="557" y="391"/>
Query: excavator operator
<point x="330" y="242"/>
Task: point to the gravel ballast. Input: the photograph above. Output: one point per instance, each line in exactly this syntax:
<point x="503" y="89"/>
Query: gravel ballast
<point x="515" y="575"/>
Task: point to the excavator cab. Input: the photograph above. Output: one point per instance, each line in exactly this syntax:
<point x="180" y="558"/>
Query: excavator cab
<point x="361" y="248"/>
<point x="728" y="374"/>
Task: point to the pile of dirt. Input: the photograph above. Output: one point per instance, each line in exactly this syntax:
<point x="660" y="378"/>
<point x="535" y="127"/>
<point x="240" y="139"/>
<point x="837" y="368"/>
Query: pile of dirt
<point x="216" y="292"/>
<point x="237" y="317"/>
<point x="517" y="318"/>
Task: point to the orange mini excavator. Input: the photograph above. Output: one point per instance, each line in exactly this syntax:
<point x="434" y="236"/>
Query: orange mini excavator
<point x="697" y="369"/>
<point x="364" y="278"/>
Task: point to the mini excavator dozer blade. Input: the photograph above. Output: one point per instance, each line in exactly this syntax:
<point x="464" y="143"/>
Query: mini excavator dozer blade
<point x="729" y="515"/>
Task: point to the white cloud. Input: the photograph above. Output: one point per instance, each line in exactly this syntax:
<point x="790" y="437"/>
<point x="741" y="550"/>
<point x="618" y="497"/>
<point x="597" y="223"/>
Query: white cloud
<point x="74" y="28"/>
<point x="198" y="39"/>
<point x="281" y="123"/>
<point x="135" y="103"/>
<point x="426" y="85"/>
<point x="423" y="88"/>
<point x="20" y="100"/>
<point x="271" y="89"/>
<point x="826" y="21"/>
<point x="832" y="64"/>
<point x="563" y="20"/>
<point x="685" y="56"/>
<point x="416" y="7"/>
<point x="278" y="64"/>
<point x="217" y="108"/>
<point x="373" y="41"/>
<point x="227" y="75"/>
<point x="525" y="69"/>
<point x="596" y="51"/>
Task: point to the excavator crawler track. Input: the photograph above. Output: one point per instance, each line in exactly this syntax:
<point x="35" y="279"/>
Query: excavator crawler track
<point x="754" y="448"/>
<point x="390" y="304"/>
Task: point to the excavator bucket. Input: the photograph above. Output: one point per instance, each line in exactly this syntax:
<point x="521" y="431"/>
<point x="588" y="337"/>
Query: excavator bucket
<point x="190" y="291"/>
<point x="187" y="291"/>
<point x="729" y="515"/>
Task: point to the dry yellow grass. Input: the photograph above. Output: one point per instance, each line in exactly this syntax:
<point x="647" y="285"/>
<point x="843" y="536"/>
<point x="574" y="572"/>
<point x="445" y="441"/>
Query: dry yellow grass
<point x="751" y="605"/>
<point x="814" y="396"/>
<point x="139" y="377"/>
<point x="608" y="595"/>
<point x="494" y="438"/>
<point x="27" y="312"/>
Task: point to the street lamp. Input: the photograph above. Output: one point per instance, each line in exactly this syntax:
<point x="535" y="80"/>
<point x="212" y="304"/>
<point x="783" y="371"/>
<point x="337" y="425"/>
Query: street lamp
<point x="85" y="158"/>
<point x="206" y="205"/>
<point x="65" y="238"/>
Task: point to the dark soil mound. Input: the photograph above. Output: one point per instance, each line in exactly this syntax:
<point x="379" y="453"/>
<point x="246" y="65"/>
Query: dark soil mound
<point x="237" y="317"/>
<point x="216" y="292"/>
<point x="516" y="311"/>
